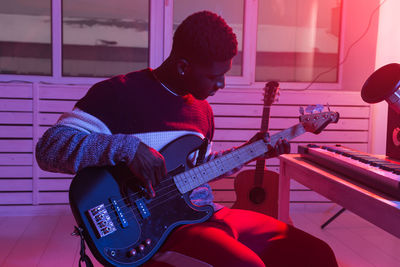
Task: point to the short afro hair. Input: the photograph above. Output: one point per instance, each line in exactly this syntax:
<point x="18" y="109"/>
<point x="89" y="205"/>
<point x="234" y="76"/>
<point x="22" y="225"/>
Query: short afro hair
<point x="204" y="37"/>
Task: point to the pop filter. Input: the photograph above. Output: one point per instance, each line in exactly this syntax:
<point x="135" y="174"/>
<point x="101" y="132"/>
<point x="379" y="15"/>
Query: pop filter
<point x="383" y="84"/>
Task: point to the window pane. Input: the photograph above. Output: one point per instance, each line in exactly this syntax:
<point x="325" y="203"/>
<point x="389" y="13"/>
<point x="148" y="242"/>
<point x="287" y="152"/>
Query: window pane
<point x="231" y="10"/>
<point x="25" y="40"/>
<point x="297" y="40"/>
<point x="103" y="38"/>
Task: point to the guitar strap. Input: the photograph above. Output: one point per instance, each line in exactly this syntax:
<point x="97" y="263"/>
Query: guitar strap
<point x="84" y="257"/>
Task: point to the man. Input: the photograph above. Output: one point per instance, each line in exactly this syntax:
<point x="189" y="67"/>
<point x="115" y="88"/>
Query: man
<point x="129" y="118"/>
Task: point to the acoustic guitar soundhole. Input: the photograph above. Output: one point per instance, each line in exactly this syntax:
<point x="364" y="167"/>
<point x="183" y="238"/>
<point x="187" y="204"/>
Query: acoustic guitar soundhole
<point x="257" y="195"/>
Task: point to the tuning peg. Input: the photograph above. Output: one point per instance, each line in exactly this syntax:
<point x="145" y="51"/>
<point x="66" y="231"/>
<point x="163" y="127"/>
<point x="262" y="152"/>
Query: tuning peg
<point x="310" y="109"/>
<point x="327" y="105"/>
<point x="301" y="110"/>
<point x="277" y="96"/>
<point x="319" y="108"/>
<point x="314" y="108"/>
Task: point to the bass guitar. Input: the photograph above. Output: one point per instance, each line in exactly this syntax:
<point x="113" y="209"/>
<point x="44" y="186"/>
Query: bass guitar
<point x="122" y="227"/>
<point x="257" y="190"/>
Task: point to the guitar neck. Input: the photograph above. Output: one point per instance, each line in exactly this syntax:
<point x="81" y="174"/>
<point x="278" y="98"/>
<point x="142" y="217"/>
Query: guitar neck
<point x="265" y="118"/>
<point x="204" y="173"/>
<point x="260" y="163"/>
<point x="270" y="91"/>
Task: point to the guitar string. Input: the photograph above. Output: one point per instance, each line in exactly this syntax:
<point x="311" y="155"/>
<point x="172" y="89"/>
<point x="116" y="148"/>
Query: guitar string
<point x="150" y="206"/>
<point x="159" y="193"/>
<point x="133" y="210"/>
<point x="129" y="207"/>
<point x="170" y="178"/>
<point x="159" y="203"/>
<point x="159" y="190"/>
<point x="140" y="218"/>
<point x="137" y="193"/>
<point x="138" y="215"/>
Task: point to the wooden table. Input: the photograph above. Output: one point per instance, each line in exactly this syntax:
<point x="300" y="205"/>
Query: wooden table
<point x="377" y="208"/>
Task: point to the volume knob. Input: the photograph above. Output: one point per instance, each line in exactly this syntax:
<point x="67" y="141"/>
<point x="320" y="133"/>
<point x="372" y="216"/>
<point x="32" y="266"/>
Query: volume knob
<point x="133" y="252"/>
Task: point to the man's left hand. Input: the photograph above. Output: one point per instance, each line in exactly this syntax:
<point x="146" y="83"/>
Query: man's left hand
<point x="282" y="146"/>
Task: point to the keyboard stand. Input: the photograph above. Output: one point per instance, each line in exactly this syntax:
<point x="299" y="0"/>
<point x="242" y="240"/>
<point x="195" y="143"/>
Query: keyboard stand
<point x="332" y="218"/>
<point x="374" y="206"/>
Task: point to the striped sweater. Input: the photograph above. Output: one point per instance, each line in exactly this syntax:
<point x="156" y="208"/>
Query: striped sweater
<point x="108" y="123"/>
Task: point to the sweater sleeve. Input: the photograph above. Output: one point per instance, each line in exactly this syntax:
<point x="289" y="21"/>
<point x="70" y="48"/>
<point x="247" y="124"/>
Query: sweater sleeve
<point x="68" y="150"/>
<point x="75" y="143"/>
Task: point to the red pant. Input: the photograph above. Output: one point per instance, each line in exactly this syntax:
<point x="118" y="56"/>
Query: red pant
<point x="244" y="238"/>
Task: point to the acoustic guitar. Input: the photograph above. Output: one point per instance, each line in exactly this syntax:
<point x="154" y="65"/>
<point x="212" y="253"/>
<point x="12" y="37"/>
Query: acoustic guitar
<point x="124" y="228"/>
<point x="257" y="189"/>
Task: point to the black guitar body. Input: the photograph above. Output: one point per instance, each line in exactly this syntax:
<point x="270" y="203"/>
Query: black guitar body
<point x="124" y="228"/>
<point x="120" y="225"/>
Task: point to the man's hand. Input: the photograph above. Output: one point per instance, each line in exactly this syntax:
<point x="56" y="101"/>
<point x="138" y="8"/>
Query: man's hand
<point x="149" y="167"/>
<point x="282" y="146"/>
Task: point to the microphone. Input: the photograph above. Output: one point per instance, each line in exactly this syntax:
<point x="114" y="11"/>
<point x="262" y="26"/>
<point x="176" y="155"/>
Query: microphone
<point x="383" y="84"/>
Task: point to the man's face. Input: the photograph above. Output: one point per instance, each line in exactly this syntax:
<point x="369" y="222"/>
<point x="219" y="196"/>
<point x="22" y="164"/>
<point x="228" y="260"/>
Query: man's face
<point x="204" y="81"/>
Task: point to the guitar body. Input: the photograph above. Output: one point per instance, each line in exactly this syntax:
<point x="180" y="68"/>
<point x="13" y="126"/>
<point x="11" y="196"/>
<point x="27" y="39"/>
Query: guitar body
<point x="120" y="225"/>
<point x="257" y="189"/>
<point x="262" y="198"/>
<point x="124" y="228"/>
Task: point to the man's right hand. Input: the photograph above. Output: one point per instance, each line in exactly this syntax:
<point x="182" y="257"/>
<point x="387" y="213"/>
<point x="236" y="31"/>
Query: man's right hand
<point x="149" y="167"/>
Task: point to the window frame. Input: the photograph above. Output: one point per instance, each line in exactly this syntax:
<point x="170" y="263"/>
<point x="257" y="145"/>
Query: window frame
<point x="160" y="42"/>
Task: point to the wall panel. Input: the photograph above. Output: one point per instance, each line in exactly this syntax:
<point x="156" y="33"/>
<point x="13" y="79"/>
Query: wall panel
<point x="16" y="144"/>
<point x="26" y="111"/>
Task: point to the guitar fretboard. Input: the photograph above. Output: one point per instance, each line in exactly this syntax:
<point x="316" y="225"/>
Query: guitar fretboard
<point x="199" y="175"/>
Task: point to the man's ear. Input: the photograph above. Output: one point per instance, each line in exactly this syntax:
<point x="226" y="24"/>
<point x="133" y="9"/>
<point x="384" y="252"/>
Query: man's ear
<point x="182" y="66"/>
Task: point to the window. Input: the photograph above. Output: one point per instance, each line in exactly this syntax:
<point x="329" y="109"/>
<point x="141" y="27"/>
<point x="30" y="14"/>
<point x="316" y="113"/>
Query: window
<point x="77" y="41"/>
<point x="25" y="41"/>
<point x="103" y="38"/>
<point x="297" y="40"/>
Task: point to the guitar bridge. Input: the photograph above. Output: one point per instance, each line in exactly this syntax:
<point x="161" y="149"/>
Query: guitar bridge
<point x="101" y="220"/>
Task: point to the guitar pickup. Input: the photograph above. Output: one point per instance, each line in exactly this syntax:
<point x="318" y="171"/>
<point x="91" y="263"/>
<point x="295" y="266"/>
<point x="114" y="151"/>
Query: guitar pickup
<point x="101" y="220"/>
<point x="141" y="205"/>
<point x="120" y="214"/>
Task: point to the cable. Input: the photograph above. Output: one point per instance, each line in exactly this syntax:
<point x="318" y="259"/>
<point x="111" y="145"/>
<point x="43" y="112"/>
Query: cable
<point x="16" y="81"/>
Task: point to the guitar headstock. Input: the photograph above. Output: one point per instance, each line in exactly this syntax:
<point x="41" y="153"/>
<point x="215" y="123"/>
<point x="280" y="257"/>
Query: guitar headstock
<point x="316" y="122"/>
<point x="270" y="93"/>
